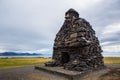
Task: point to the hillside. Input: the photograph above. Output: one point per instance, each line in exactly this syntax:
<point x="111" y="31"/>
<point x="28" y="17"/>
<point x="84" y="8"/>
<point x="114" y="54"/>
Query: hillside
<point x="18" y="54"/>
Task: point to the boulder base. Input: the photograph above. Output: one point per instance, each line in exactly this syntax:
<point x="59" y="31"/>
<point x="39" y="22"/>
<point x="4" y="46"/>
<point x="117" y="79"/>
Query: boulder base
<point x="64" y="74"/>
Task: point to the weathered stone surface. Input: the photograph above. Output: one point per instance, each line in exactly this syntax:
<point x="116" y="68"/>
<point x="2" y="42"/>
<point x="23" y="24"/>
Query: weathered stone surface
<point x="74" y="35"/>
<point x="76" y="47"/>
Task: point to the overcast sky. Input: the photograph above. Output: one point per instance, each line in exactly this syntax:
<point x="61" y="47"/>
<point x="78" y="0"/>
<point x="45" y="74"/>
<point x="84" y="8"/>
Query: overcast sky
<point x="31" y="25"/>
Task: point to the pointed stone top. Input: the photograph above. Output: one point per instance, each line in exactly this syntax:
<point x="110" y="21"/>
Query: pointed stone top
<point x="71" y="10"/>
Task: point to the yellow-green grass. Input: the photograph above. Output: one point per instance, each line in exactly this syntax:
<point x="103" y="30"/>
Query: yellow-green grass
<point x="20" y="62"/>
<point x="112" y="60"/>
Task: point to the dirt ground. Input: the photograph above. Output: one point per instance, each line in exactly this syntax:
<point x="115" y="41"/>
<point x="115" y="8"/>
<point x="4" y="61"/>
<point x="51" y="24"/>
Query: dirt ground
<point x="112" y="72"/>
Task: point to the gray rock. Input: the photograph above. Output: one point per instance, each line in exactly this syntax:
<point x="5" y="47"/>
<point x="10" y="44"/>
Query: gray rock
<point x="76" y="47"/>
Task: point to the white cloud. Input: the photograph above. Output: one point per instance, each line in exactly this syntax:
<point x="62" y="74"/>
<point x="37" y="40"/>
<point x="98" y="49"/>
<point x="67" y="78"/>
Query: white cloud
<point x="111" y="29"/>
<point x="105" y="43"/>
<point x="110" y="34"/>
<point x="43" y="51"/>
<point x="31" y="25"/>
<point x="112" y="48"/>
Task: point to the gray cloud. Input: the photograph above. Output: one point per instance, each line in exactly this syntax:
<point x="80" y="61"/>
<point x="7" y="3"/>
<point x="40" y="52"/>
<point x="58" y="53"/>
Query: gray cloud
<point x="31" y="25"/>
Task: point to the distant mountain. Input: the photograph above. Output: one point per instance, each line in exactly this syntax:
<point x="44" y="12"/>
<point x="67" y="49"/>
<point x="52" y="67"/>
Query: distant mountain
<point x="18" y="54"/>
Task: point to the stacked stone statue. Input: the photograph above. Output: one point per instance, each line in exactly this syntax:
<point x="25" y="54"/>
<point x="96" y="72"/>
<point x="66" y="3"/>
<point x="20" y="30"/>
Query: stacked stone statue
<point x="76" y="47"/>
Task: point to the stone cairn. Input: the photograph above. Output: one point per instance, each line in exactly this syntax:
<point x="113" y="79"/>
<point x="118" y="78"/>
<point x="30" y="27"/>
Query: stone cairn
<point x="76" y="47"/>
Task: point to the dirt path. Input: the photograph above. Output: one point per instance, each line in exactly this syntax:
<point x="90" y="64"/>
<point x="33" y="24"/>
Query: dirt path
<point x="112" y="72"/>
<point x="29" y="73"/>
<point x="26" y="73"/>
<point x="16" y="73"/>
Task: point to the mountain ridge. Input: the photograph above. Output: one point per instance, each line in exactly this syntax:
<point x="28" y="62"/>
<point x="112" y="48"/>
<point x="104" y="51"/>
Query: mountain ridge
<point x="18" y="54"/>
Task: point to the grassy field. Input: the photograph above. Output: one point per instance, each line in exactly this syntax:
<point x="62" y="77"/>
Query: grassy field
<point x="112" y="60"/>
<point x="20" y="62"/>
